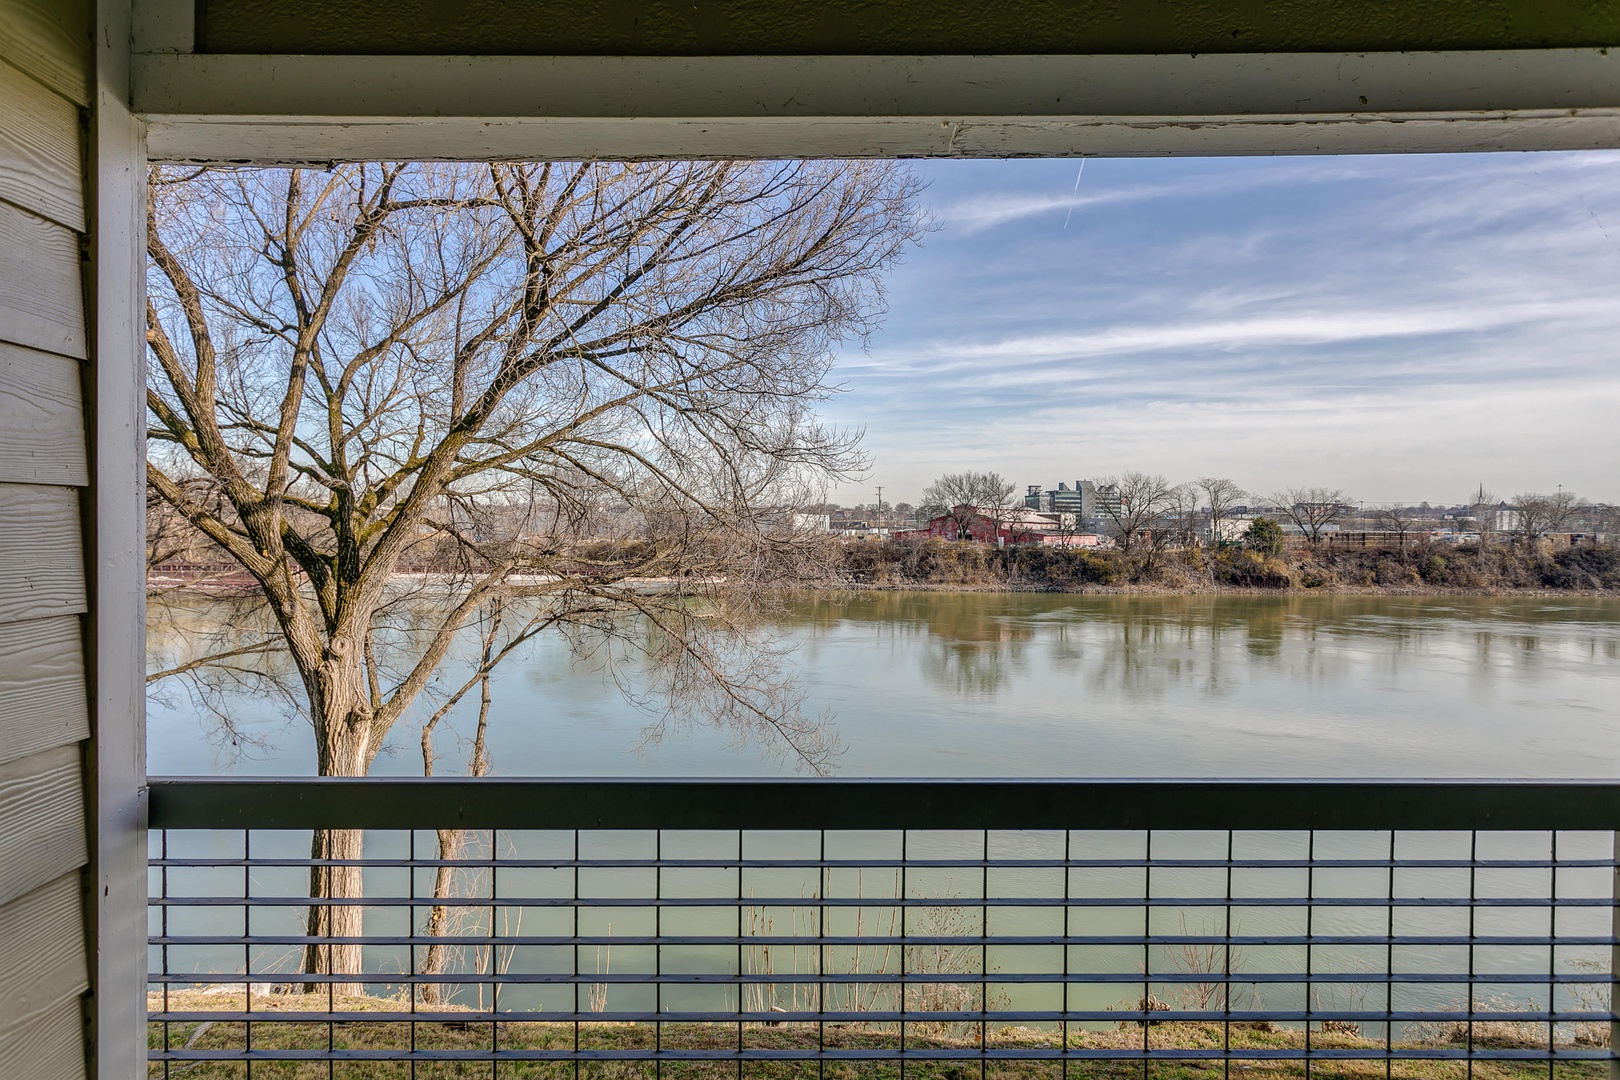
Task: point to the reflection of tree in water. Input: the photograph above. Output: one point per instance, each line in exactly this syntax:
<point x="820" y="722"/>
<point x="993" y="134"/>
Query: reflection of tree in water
<point x="212" y="653"/>
<point x="1138" y="647"/>
<point x="1264" y="632"/>
<point x="972" y="644"/>
<point x="1515" y="645"/>
<point x="662" y="675"/>
<point x="974" y="669"/>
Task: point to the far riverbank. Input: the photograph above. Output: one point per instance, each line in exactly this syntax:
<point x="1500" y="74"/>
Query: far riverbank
<point x="965" y="566"/>
<point x="1419" y="570"/>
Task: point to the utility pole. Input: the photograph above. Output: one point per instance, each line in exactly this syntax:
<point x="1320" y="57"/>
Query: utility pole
<point x="880" y="498"/>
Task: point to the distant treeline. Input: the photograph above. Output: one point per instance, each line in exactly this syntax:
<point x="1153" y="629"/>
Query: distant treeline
<point x="942" y="563"/>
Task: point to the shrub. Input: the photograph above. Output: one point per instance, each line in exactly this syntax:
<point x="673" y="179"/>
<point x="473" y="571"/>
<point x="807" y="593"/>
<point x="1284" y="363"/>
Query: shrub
<point x="1251" y="570"/>
<point x="1583" y="568"/>
<point x="1264" y="536"/>
<point x="1059" y="568"/>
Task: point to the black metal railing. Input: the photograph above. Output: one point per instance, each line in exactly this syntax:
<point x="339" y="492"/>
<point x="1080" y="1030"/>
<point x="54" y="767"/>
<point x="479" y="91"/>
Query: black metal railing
<point x="788" y="928"/>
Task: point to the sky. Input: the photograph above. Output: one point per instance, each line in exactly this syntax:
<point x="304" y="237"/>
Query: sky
<point x="1402" y="327"/>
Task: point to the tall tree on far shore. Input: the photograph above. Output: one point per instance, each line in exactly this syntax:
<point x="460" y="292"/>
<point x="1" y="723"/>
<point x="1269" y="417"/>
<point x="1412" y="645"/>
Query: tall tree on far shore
<point x="960" y="495"/>
<point x="1182" y="516"/>
<point x="1136" y="518"/>
<point x="1400" y="520"/>
<point x="1220" y="495"/>
<point x="578" y="375"/>
<point x="1536" y="514"/>
<point x="1312" y="509"/>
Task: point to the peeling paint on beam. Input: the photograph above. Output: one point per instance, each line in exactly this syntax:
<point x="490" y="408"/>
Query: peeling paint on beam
<point x="319" y="140"/>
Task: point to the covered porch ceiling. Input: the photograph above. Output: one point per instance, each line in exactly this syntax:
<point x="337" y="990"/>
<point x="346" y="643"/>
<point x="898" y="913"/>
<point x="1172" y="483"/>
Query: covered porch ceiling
<point x="313" y="80"/>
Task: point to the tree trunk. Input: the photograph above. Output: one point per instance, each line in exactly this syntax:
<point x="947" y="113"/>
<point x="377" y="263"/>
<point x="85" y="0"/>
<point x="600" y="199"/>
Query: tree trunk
<point x="343" y="741"/>
<point x="342" y="920"/>
<point x="453" y="842"/>
<point x="438" y="924"/>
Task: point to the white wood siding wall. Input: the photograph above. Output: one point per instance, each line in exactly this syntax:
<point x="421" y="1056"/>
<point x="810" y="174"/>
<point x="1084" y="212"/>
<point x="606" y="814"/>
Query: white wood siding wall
<point x="45" y="80"/>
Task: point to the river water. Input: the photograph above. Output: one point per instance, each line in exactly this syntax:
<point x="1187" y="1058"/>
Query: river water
<point x="918" y="684"/>
<point x="985" y="684"/>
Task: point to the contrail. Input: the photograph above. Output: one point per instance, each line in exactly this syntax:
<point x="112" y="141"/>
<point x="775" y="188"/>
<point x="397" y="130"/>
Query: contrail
<point x="1076" y="191"/>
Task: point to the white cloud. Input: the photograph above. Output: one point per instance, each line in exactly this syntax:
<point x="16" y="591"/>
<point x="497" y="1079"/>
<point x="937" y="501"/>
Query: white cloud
<point x="988" y="209"/>
<point x="1397" y="326"/>
<point x="986" y="359"/>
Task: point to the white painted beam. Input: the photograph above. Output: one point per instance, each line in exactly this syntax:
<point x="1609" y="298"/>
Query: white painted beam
<point x="286" y="108"/>
<point x="280" y="140"/>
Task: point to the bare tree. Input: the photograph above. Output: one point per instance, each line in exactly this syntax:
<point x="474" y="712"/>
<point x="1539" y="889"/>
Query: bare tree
<point x="169" y="537"/>
<point x="453" y="843"/>
<point x="582" y="374"/>
<point x="1394" y="518"/>
<point x="1603" y="520"/>
<point x="1311" y="509"/>
<point x="1536" y="515"/>
<point x="1220" y="495"/>
<point x="1181" y="512"/>
<point x="961" y="495"/>
<point x="1138" y="514"/>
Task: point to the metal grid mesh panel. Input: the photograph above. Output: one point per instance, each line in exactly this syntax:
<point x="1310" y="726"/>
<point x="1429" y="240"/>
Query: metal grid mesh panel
<point x="878" y="952"/>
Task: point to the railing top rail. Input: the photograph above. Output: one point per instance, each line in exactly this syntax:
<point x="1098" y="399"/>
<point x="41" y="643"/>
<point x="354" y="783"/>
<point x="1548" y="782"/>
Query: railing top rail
<point x="836" y="804"/>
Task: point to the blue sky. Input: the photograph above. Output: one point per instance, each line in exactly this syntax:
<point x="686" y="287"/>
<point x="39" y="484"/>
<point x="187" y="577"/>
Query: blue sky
<point x="1403" y="327"/>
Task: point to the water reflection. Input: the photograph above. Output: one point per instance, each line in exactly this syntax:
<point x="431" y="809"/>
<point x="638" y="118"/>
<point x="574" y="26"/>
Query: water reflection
<point x="997" y="684"/>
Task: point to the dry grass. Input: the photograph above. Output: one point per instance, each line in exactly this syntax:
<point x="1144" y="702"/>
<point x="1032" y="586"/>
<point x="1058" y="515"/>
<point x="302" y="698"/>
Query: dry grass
<point x="271" y="1034"/>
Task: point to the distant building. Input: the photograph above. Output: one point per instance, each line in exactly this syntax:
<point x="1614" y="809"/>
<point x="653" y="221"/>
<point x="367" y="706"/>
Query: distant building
<point x="1503" y="518"/>
<point x="1085" y="500"/>
<point x="1002" y="526"/>
<point x="1082" y="540"/>
<point x="792" y="521"/>
<point x="1229" y="530"/>
<point x="862" y="530"/>
<point x="1107" y="500"/>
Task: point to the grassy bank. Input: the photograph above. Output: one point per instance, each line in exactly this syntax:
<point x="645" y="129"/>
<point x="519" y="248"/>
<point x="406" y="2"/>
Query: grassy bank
<point x="1420" y="568"/>
<point x="608" y="1037"/>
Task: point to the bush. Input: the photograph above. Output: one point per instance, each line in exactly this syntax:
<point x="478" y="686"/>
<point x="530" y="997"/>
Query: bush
<point x="1060" y="568"/>
<point x="1247" y="569"/>
<point x="1583" y="568"/>
<point x="1316" y="577"/>
<point x="1264" y="536"/>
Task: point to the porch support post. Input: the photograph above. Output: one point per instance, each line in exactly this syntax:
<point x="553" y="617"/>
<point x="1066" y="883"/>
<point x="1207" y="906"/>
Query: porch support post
<point x="116" y="554"/>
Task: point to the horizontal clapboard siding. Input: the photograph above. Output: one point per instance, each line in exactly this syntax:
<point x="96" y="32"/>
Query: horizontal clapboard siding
<point x="41" y="824"/>
<point x="40" y="161"/>
<point x="51" y="42"/>
<point x="41" y="556"/>
<point x="50" y="1046"/>
<point x="41" y="285"/>
<point x="41" y="419"/>
<point x="45" y="80"/>
<point x="48" y="967"/>
<point x="42" y="699"/>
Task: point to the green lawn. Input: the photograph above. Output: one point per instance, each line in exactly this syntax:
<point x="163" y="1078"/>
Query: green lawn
<point x="271" y="1034"/>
